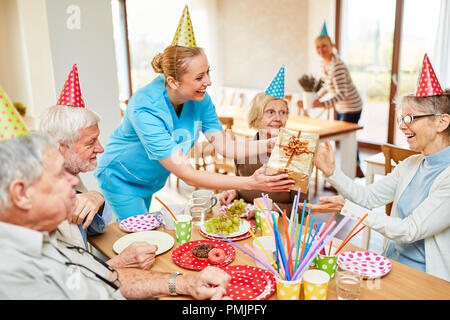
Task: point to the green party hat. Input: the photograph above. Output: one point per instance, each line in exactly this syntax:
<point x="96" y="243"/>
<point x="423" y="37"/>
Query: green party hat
<point x="276" y="87"/>
<point x="11" y="124"/>
<point x="184" y="36"/>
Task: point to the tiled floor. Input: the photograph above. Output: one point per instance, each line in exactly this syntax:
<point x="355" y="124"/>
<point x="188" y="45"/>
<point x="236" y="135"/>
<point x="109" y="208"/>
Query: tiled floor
<point x="171" y="194"/>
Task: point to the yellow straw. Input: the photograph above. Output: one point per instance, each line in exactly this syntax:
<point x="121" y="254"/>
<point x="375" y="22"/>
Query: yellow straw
<point x="268" y="256"/>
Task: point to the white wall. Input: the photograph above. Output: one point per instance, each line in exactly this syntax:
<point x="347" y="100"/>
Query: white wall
<point x="81" y="32"/>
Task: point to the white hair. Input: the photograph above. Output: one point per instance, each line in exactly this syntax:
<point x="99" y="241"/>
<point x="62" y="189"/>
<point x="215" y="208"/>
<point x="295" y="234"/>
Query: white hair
<point x="21" y="158"/>
<point x="64" y="123"/>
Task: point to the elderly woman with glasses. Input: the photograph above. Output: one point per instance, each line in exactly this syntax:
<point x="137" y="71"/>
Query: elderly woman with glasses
<point x="418" y="229"/>
<point x="267" y="114"/>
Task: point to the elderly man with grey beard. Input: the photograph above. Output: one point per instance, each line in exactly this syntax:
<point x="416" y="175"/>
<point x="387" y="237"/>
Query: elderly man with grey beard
<point x="77" y="132"/>
<point x="36" y="195"/>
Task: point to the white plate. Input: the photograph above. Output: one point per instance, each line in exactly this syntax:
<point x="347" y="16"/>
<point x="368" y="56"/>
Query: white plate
<point x="163" y="240"/>
<point x="243" y="229"/>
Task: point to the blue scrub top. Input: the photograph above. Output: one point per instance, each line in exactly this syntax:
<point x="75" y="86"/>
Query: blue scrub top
<point x="151" y="131"/>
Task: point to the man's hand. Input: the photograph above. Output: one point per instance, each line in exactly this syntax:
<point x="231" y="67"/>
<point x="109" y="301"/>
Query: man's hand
<point x="87" y="206"/>
<point x="210" y="283"/>
<point x="139" y="255"/>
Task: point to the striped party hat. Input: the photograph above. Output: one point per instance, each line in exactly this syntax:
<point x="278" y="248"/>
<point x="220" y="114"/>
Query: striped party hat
<point x="428" y="85"/>
<point x="184" y="36"/>
<point x="276" y="87"/>
<point x="324" y="31"/>
<point x="71" y="93"/>
<point x="11" y="124"/>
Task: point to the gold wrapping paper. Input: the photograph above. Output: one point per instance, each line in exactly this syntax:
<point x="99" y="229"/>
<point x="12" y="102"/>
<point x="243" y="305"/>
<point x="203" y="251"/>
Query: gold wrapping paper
<point x="300" y="166"/>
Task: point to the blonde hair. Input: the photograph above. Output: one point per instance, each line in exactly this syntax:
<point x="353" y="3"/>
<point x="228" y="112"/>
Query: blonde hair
<point x="173" y="61"/>
<point x="256" y="108"/>
<point x="323" y="40"/>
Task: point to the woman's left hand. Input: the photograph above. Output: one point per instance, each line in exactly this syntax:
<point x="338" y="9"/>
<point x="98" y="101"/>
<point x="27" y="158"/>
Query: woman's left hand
<point x="326" y="205"/>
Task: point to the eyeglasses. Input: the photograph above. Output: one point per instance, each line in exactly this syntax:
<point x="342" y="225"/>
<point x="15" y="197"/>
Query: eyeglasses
<point x="409" y="118"/>
<point x="115" y="284"/>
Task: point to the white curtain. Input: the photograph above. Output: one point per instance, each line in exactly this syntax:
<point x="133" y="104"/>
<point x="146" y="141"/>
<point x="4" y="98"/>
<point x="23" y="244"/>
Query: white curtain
<point x="442" y="50"/>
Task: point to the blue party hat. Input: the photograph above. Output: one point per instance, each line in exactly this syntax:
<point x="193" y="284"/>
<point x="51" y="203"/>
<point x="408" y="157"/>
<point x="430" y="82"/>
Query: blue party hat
<point x="324" y="31"/>
<point x="276" y="87"/>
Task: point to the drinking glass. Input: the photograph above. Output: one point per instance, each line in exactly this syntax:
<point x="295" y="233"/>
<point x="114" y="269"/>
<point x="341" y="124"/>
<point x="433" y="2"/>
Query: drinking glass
<point x="348" y="281"/>
<point x="197" y="208"/>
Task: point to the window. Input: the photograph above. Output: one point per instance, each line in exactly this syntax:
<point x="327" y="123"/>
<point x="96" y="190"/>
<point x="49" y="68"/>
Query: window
<point x="370" y="50"/>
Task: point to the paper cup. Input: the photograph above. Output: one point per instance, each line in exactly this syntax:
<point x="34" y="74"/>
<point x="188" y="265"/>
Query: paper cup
<point x="269" y="246"/>
<point x="183" y="227"/>
<point x="327" y="264"/>
<point x="288" y="290"/>
<point x="167" y="219"/>
<point x="259" y="203"/>
<point x="315" y="284"/>
<point x="265" y="228"/>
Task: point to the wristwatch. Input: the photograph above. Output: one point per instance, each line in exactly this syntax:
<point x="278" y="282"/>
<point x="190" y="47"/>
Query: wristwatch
<point x="172" y="288"/>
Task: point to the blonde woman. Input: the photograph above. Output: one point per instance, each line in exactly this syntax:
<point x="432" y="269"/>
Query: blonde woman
<point x="267" y="114"/>
<point x="162" y="122"/>
<point x="338" y="83"/>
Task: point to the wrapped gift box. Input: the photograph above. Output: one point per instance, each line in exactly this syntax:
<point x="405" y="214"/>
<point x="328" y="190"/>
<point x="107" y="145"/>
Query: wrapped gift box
<point x="294" y="154"/>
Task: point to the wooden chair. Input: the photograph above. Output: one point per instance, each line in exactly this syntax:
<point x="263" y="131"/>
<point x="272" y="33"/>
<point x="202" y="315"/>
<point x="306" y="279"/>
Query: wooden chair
<point x="396" y="154"/>
<point x="201" y="157"/>
<point x="227" y="122"/>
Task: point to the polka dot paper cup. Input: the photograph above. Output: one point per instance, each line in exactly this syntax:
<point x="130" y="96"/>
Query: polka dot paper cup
<point x="315" y="284"/>
<point x="327" y="264"/>
<point x="265" y="228"/>
<point x="288" y="290"/>
<point x="183" y="227"/>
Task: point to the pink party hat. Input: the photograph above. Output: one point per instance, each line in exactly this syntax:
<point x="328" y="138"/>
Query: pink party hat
<point x="184" y="36"/>
<point x="71" y="93"/>
<point x="428" y="85"/>
<point x="11" y="124"/>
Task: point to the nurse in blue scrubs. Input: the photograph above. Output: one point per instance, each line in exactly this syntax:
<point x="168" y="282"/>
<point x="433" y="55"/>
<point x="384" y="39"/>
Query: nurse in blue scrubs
<point x="162" y="122"/>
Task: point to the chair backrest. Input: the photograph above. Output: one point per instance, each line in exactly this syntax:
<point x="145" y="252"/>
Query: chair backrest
<point x="227" y="122"/>
<point x="396" y="154"/>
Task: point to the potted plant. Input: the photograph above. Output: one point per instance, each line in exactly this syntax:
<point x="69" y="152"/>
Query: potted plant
<point x="310" y="86"/>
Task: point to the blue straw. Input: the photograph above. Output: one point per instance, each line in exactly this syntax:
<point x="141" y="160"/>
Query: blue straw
<point x="309" y="235"/>
<point x="280" y="244"/>
<point x="300" y="234"/>
<point x="312" y="240"/>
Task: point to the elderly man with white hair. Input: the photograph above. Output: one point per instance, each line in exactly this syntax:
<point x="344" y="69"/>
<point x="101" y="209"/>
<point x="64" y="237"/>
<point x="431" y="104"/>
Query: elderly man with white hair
<point x="77" y="132"/>
<point x="36" y="195"/>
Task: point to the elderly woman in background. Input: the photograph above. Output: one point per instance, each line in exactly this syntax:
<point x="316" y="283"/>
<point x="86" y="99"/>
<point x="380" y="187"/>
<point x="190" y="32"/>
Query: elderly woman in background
<point x="418" y="230"/>
<point x="267" y="114"/>
<point x="339" y="84"/>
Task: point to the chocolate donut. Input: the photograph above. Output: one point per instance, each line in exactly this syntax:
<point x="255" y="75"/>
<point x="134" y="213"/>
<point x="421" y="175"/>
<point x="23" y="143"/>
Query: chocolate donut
<point x="201" y="250"/>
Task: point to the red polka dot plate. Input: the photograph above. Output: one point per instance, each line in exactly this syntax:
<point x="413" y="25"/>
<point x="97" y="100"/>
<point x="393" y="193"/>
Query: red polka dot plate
<point x="183" y="256"/>
<point x="249" y="283"/>
<point x="142" y="222"/>
<point x="372" y="265"/>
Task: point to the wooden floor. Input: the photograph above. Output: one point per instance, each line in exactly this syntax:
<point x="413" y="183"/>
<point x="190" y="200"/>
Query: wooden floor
<point x="170" y="194"/>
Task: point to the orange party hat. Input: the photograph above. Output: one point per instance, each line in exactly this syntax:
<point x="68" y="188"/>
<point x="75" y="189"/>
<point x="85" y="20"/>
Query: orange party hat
<point x="184" y="36"/>
<point x="71" y="93"/>
<point x="11" y="124"/>
<point x="428" y="85"/>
